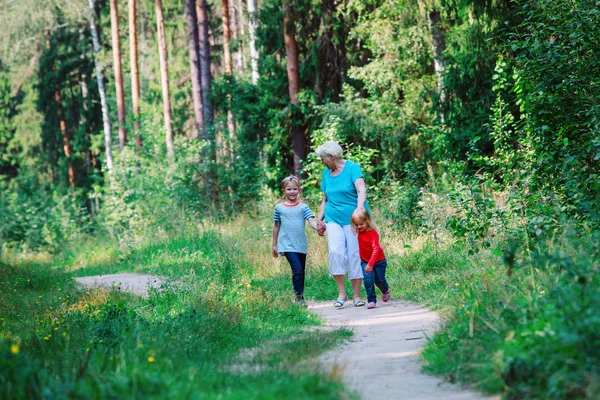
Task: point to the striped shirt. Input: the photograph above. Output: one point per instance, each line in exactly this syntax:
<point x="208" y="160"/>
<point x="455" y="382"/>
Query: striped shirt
<point x="292" y="237"/>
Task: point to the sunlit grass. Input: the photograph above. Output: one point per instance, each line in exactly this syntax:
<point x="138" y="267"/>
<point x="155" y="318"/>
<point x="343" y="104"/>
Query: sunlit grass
<point x="121" y="345"/>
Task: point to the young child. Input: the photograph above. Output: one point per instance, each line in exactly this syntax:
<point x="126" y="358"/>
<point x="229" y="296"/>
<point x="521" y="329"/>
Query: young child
<point x="289" y="237"/>
<point x="371" y="256"/>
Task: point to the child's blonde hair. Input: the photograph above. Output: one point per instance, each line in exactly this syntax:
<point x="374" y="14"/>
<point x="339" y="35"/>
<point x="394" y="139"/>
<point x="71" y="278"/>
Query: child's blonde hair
<point x="362" y="215"/>
<point x="290" y="179"/>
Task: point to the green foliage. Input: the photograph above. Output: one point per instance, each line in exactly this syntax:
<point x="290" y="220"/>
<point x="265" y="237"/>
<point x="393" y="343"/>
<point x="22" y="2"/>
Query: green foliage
<point x="552" y="146"/>
<point x="8" y="109"/>
<point x="530" y="334"/>
<point x="34" y="219"/>
<point x="189" y="330"/>
<point x="143" y="194"/>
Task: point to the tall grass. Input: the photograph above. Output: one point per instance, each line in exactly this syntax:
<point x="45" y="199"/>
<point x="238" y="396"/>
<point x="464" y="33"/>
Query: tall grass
<point x="180" y="342"/>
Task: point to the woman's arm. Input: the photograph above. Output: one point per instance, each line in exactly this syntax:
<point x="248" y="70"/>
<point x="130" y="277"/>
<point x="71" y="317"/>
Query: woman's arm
<point x="361" y="191"/>
<point x="276" y="227"/>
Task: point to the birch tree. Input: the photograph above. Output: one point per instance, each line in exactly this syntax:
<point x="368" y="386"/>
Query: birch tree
<point x="101" y="89"/>
<point x="252" y="27"/>
<point x="438" y="45"/>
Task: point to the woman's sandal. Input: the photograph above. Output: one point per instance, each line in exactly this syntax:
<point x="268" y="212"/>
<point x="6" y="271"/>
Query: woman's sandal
<point x="340" y="303"/>
<point x="359" y="303"/>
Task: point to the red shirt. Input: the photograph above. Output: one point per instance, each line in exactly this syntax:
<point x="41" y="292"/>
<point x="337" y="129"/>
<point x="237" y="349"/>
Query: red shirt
<point x="369" y="248"/>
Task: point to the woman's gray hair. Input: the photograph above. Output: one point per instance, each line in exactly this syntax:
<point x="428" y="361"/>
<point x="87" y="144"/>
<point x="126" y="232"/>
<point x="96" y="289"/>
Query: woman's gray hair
<point x="330" y="148"/>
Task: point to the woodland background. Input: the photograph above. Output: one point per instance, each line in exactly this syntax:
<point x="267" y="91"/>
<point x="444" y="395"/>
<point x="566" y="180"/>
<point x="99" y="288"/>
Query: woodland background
<point x="476" y="123"/>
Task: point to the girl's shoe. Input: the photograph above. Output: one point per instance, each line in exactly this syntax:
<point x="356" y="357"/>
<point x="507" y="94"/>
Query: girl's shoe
<point x="302" y="303"/>
<point x="371" y="305"/>
<point x="385" y="297"/>
<point x="359" y="303"/>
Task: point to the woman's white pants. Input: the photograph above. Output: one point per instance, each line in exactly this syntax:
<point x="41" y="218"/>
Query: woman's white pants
<point x="343" y="251"/>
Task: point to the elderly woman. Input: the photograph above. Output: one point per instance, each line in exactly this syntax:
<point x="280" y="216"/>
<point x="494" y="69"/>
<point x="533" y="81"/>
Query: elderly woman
<point x="344" y="191"/>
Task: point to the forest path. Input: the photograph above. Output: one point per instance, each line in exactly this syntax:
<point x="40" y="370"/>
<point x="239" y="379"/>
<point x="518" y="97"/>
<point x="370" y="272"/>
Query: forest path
<point x="381" y="360"/>
<point x="126" y="282"/>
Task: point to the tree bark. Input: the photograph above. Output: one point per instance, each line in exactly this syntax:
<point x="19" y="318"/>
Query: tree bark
<point x="223" y="148"/>
<point x="226" y="37"/>
<point x="62" y="123"/>
<point x="237" y="27"/>
<point x="116" y="48"/>
<point x="206" y="77"/>
<point x="164" y="73"/>
<point x="291" y="53"/>
<point x="101" y="89"/>
<point x="135" y="76"/>
<point x="252" y="26"/>
<point x="194" y="47"/>
<point x="438" y="45"/>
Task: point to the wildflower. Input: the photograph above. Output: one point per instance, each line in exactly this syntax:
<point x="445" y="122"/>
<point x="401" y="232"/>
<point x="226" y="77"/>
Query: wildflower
<point x="151" y="359"/>
<point x="14" y="349"/>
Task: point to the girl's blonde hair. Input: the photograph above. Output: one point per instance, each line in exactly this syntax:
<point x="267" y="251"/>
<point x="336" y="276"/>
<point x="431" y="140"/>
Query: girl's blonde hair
<point x="362" y="215"/>
<point x="290" y="179"/>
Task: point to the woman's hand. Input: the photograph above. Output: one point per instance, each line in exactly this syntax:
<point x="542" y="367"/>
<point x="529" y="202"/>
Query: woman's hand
<point x="321" y="228"/>
<point x="274" y="251"/>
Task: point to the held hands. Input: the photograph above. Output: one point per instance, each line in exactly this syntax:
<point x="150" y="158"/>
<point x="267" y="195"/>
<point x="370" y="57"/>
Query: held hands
<point x="321" y="228"/>
<point x="274" y="251"/>
<point x="368" y="269"/>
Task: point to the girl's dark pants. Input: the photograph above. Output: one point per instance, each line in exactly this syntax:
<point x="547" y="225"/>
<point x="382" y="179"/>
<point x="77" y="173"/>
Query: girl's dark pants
<point x="298" y="263"/>
<point x="375" y="277"/>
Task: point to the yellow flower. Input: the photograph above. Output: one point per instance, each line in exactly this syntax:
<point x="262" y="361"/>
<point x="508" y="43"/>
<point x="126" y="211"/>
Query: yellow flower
<point x="151" y="359"/>
<point x="14" y="349"/>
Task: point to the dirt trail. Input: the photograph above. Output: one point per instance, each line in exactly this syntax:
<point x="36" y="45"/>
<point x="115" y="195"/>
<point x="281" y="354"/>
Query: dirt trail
<point x="381" y="360"/>
<point x="127" y="282"/>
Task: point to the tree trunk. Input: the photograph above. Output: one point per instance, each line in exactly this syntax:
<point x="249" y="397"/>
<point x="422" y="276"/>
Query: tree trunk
<point x="65" y="135"/>
<point x="438" y="45"/>
<point x="291" y="53"/>
<point x="116" y="48"/>
<point x="135" y="76"/>
<point x="222" y="146"/>
<point x="194" y="47"/>
<point x="206" y="77"/>
<point x="62" y="124"/>
<point x="164" y="73"/>
<point x="101" y="90"/>
<point x="237" y="26"/>
<point x="226" y="38"/>
<point x="209" y="154"/>
<point x="252" y="26"/>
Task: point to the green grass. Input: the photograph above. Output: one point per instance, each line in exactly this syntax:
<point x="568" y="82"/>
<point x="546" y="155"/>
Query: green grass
<point x="529" y="334"/>
<point x="230" y="330"/>
<point x="181" y="342"/>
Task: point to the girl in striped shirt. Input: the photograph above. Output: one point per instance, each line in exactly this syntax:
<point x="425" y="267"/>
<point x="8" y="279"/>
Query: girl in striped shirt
<point x="289" y="237"/>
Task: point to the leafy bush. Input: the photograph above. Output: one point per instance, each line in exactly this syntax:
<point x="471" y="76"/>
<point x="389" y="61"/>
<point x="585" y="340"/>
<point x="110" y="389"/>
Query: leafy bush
<point x="531" y="333"/>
